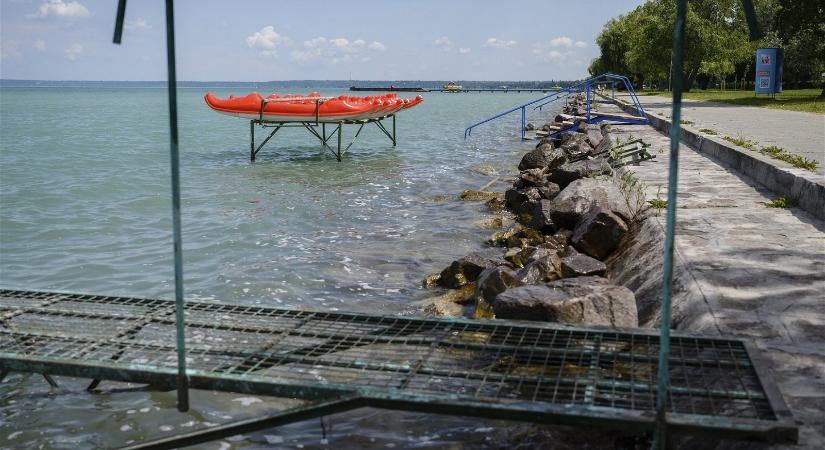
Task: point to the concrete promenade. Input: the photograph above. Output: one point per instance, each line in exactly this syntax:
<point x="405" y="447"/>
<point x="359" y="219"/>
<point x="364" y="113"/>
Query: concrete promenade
<point x="797" y="132"/>
<point x="753" y="271"/>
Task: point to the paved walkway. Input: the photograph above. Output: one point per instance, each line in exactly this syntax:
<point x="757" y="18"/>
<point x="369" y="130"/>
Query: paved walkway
<point x="759" y="271"/>
<point x="797" y="132"/>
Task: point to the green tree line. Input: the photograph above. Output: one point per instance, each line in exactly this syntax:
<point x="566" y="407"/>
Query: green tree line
<point x="717" y="48"/>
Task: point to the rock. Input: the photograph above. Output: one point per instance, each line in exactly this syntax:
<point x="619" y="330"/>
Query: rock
<point x="525" y="211"/>
<point x="549" y="190"/>
<point x="533" y="177"/>
<point x="475" y="195"/>
<point x="568" y="251"/>
<point x="431" y="280"/>
<point x="544" y="268"/>
<point x="581" y="195"/>
<point x="440" y="198"/>
<point x="513" y="198"/>
<point x="467" y="269"/>
<point x="494" y="222"/>
<point x="529" y="126"/>
<point x="582" y="300"/>
<point x="599" y="233"/>
<point x="582" y="266"/>
<point x="541" y="219"/>
<point x="495" y="204"/>
<point x="557" y="241"/>
<point x="494" y="281"/>
<point x="544" y="156"/>
<point x="450" y="303"/>
<point x="596" y="139"/>
<point x="576" y="146"/>
<point x="586" y="168"/>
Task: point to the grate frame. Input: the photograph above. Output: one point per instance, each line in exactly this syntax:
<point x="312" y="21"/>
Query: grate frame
<point x="524" y="371"/>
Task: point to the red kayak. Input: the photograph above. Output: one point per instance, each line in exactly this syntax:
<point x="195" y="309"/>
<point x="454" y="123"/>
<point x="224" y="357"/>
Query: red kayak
<point x="305" y="108"/>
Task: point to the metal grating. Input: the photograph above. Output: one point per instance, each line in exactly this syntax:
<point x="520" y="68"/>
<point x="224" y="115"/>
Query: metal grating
<point x="504" y="369"/>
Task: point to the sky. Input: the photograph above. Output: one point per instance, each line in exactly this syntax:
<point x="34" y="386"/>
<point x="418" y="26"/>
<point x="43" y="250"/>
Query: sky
<point x="258" y="40"/>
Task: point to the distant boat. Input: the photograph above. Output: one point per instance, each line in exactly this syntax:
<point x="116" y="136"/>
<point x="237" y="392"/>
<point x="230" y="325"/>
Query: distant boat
<point x="390" y="88"/>
<point x="452" y="87"/>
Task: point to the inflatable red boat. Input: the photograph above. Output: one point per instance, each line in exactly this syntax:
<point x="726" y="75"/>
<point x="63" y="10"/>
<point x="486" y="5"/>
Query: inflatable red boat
<point x="299" y="108"/>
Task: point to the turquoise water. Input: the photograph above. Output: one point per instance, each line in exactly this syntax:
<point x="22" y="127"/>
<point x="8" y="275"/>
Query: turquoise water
<point x="84" y="206"/>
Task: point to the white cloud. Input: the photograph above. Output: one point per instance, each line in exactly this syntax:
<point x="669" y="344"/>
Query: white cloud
<point x="375" y="45"/>
<point x="580" y="44"/>
<point x="336" y="50"/>
<point x="9" y="49"/>
<point x="73" y="51"/>
<point x="138" y="24"/>
<point x="444" y="43"/>
<point x="464" y="50"/>
<point x="267" y="41"/>
<point x="40" y="44"/>
<point x="499" y="43"/>
<point x="59" y="8"/>
<point x="561" y="41"/>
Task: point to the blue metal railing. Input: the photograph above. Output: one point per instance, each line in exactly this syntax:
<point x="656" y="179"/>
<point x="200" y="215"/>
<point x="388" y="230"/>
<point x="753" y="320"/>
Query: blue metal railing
<point x="585" y="86"/>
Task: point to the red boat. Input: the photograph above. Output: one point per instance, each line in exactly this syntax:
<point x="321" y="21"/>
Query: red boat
<point x="300" y="108"/>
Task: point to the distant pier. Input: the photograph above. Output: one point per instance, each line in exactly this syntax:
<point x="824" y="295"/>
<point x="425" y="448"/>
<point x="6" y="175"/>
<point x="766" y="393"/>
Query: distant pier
<point x="452" y="91"/>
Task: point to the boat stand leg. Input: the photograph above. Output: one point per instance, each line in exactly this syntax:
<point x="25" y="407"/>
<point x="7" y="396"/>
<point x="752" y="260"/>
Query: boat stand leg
<point x="94" y="384"/>
<point x="393" y="130"/>
<point x="50" y="380"/>
<point x="3" y="375"/>
<point x="256" y="150"/>
<point x="338" y="155"/>
<point x="323" y="134"/>
<point x="252" y="140"/>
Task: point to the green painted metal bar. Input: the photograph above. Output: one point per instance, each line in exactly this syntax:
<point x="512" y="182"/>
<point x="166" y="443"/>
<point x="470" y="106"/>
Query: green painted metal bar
<point x="279" y="418"/>
<point x="660" y="439"/>
<point x="183" y="389"/>
<point x="121" y="13"/>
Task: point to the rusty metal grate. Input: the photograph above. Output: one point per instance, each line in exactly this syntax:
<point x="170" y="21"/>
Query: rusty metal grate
<point x="504" y="369"/>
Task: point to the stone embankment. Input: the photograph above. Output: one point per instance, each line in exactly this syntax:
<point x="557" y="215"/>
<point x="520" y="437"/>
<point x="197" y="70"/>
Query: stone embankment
<point x="570" y="215"/>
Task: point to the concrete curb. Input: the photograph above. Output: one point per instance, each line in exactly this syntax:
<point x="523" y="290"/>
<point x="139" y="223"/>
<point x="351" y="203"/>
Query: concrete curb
<point x="804" y="188"/>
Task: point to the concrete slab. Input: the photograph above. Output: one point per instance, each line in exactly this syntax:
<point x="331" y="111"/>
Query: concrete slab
<point x="748" y="270"/>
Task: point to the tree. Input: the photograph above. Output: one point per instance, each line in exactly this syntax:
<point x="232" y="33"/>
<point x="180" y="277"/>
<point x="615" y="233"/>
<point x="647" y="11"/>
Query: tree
<point x="800" y="25"/>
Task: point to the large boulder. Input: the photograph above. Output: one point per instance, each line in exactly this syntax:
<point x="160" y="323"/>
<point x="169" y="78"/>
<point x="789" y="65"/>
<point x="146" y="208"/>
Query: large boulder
<point x="543" y="156"/>
<point x="575" y="145"/>
<point x="516" y="236"/>
<point x="582" y="266"/>
<point x="544" y="268"/>
<point x="599" y="233"/>
<point x="572" y="171"/>
<point x="582" y="300"/>
<point x="549" y="190"/>
<point x="467" y="269"/>
<point x="494" y="281"/>
<point x="580" y="196"/>
<point x="533" y="177"/>
<point x="513" y="198"/>
<point x="541" y="219"/>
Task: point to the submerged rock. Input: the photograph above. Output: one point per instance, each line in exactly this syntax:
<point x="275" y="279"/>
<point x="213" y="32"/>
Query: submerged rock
<point x="431" y="280"/>
<point x="451" y="302"/>
<point x="582" y="266"/>
<point x="582" y="300"/>
<point x="467" y="269"/>
<point x="599" y="233"/>
<point x="476" y="195"/>
<point x="495" y="204"/>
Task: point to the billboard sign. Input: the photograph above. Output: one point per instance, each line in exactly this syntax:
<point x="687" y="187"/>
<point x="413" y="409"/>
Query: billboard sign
<point x="769" y="70"/>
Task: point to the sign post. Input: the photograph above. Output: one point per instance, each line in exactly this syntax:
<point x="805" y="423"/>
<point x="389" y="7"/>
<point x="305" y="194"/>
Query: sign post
<point x="769" y="62"/>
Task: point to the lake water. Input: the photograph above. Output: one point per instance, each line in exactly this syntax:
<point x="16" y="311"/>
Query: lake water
<point x="85" y="207"/>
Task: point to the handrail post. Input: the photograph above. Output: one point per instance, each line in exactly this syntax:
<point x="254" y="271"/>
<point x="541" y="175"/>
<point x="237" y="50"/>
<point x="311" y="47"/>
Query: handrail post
<point x="183" y="380"/>
<point x="660" y="437"/>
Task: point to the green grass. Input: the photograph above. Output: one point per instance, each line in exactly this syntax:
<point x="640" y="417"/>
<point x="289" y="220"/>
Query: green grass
<point x="781" y="202"/>
<point x="792" y="100"/>
<point x="708" y="131"/>
<point x="658" y="203"/>
<point x="686" y="122"/>
<point x="740" y="141"/>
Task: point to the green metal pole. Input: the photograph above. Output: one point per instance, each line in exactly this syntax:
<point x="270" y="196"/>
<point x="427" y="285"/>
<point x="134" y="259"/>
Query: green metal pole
<point x="183" y="381"/>
<point x="660" y="440"/>
<point x="340" y="125"/>
<point x="393" y="130"/>
<point x="252" y="140"/>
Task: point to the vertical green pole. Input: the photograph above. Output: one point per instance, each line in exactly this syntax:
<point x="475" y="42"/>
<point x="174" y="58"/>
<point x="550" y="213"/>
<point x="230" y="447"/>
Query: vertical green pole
<point x="660" y="439"/>
<point x="183" y="381"/>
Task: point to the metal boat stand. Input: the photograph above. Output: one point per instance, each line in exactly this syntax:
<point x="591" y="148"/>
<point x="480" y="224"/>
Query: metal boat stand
<point x="319" y="130"/>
